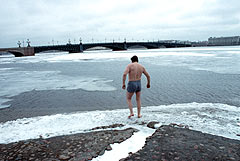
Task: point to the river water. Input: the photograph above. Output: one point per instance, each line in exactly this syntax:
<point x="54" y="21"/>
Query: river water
<point x="198" y="87"/>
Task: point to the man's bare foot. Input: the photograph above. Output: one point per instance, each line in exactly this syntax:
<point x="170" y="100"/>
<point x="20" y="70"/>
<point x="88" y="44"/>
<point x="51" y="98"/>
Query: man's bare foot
<point x="130" y="116"/>
<point x="139" y="116"/>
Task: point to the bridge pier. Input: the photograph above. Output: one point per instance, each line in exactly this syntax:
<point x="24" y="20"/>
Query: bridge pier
<point x="119" y="46"/>
<point x="125" y="45"/>
<point x="81" y="47"/>
<point x="28" y="51"/>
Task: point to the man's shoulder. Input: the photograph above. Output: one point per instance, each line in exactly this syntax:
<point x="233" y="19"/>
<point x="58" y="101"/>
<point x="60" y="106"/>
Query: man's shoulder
<point x="141" y="65"/>
<point x="129" y="65"/>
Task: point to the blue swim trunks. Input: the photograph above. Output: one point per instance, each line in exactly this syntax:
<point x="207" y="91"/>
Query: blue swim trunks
<point x="134" y="86"/>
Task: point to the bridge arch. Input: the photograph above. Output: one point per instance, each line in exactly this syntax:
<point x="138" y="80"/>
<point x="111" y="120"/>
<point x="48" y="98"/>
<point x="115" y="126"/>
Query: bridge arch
<point x="16" y="53"/>
<point x="69" y="48"/>
<point x="137" y="47"/>
<point x="147" y="45"/>
<point x="97" y="48"/>
<point x="113" y="46"/>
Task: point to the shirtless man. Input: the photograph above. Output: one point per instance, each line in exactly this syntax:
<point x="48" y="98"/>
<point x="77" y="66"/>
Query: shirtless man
<point x="134" y="72"/>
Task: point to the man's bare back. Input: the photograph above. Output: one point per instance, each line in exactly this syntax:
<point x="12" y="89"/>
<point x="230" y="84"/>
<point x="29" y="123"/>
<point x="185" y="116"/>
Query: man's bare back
<point x="135" y="71"/>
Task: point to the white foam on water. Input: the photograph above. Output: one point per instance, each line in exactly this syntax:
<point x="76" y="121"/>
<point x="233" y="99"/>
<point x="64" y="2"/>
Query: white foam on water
<point x="16" y="82"/>
<point x="217" y="119"/>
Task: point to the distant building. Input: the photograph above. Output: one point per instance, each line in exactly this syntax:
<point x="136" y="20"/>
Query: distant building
<point x="233" y="40"/>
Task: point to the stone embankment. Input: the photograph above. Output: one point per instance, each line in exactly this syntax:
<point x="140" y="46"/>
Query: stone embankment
<point x="169" y="142"/>
<point x="174" y="143"/>
<point x="83" y="146"/>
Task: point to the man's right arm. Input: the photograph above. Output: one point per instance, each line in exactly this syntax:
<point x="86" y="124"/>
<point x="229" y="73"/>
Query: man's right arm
<point x="148" y="77"/>
<point x="124" y="77"/>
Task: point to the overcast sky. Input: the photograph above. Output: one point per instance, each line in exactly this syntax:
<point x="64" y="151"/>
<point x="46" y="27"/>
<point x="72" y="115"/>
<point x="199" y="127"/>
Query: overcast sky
<point x="43" y="21"/>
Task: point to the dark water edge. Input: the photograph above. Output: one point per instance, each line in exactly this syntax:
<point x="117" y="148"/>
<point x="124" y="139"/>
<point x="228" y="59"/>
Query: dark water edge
<point x="169" y="85"/>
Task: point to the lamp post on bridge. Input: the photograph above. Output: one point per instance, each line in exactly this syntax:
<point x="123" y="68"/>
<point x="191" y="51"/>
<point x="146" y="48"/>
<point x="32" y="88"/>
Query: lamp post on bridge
<point x="80" y="40"/>
<point x="28" y="42"/>
<point x="125" y="44"/>
<point x="80" y="45"/>
<point x="19" y="44"/>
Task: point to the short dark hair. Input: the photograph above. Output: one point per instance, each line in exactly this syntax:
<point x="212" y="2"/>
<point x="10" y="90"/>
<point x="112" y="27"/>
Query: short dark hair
<point x="134" y="58"/>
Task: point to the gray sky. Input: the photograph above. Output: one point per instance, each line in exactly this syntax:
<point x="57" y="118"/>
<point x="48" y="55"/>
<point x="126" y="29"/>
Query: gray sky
<point x="45" y="20"/>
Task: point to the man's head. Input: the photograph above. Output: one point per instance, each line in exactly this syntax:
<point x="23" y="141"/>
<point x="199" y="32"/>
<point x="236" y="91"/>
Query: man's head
<point x="134" y="59"/>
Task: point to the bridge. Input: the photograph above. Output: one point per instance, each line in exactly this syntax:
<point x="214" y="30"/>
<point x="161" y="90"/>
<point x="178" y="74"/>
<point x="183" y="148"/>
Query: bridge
<point x="77" y="48"/>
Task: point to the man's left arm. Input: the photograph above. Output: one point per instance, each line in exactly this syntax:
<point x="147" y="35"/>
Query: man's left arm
<point x="148" y="77"/>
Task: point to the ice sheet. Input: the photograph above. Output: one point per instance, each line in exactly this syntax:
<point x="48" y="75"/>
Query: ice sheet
<point x="14" y="82"/>
<point x="215" y="59"/>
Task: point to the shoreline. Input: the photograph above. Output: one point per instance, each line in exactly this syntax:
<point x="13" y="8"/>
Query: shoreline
<point x="168" y="142"/>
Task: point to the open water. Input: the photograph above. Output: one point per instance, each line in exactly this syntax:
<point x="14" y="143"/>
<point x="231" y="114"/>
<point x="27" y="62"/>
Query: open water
<point x="61" y="93"/>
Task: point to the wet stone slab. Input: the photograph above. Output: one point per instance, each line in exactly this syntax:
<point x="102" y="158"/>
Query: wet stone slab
<point x="174" y="143"/>
<point x="83" y="146"/>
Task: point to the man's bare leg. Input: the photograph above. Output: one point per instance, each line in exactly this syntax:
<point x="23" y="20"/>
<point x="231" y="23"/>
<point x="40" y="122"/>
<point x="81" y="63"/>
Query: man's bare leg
<point x="129" y="102"/>
<point x="138" y="99"/>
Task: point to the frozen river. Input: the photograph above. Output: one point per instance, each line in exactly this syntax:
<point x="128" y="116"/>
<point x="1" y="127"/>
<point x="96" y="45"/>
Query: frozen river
<point x="198" y="87"/>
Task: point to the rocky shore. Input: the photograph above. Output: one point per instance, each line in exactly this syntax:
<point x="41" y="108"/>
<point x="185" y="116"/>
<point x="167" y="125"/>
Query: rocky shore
<point x="170" y="142"/>
<point x="174" y="143"/>
<point x="79" y="147"/>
